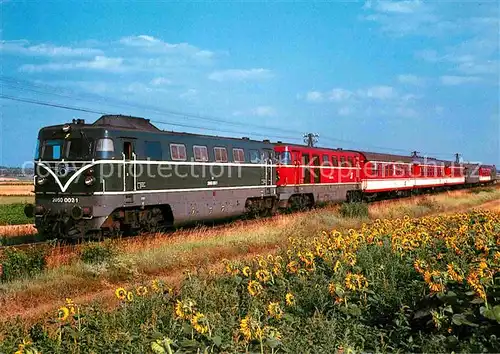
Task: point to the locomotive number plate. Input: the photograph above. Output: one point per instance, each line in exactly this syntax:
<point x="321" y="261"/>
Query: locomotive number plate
<point x="65" y="200"/>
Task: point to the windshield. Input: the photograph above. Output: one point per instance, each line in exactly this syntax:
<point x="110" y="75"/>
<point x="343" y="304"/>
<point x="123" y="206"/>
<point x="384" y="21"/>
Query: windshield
<point x="69" y="149"/>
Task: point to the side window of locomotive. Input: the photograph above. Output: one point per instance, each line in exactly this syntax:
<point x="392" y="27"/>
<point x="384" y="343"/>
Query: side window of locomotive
<point x="105" y="148"/>
<point x="254" y="156"/>
<point x="153" y="151"/>
<point x="326" y="160"/>
<point x="51" y="149"/>
<point x="238" y="155"/>
<point x="220" y="154"/>
<point x="335" y="161"/>
<point x="350" y="162"/>
<point x="200" y="153"/>
<point x="178" y="152"/>
<point x="342" y="161"/>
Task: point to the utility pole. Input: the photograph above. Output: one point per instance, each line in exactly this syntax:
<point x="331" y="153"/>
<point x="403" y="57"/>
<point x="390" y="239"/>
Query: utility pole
<point x="310" y="139"/>
<point x="457" y="158"/>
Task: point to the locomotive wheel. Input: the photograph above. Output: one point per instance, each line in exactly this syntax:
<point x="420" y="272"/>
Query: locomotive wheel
<point x="152" y="220"/>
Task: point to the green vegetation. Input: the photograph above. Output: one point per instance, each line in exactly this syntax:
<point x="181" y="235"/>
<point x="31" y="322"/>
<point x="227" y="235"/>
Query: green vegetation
<point x="404" y="285"/>
<point x="354" y="210"/>
<point x="18" y="264"/>
<point x="13" y="214"/>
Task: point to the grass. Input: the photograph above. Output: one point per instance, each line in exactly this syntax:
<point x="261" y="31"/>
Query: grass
<point x="163" y="256"/>
<point x="13" y="214"/>
<point x="402" y="285"/>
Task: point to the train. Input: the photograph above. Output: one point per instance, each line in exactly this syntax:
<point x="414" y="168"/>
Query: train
<point x="123" y="175"/>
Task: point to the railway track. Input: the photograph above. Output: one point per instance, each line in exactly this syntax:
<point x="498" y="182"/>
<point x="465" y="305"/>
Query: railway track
<point x="214" y="225"/>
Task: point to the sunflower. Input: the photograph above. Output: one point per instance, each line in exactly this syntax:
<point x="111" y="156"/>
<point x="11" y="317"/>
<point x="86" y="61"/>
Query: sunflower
<point x="121" y="293"/>
<point x="337" y="266"/>
<point x="453" y="274"/>
<point x="63" y="313"/>
<point x="199" y="323"/>
<point x="274" y="310"/>
<point x="350" y="281"/>
<point x="290" y="299"/>
<point x="263" y="275"/>
<point x="185" y="309"/>
<point x="141" y="290"/>
<point x="247" y="271"/>
<point x="332" y="289"/>
<point x="292" y="267"/>
<point x="250" y="328"/>
<point x="130" y="296"/>
<point x="254" y="288"/>
<point x="71" y="305"/>
<point x="155" y="285"/>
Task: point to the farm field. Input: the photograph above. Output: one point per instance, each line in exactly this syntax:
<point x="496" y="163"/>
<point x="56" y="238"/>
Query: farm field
<point x="219" y="311"/>
<point x="17" y="188"/>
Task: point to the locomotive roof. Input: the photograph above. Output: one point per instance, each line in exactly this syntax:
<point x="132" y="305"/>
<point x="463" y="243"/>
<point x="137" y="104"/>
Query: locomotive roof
<point x="144" y="125"/>
<point x="127" y="122"/>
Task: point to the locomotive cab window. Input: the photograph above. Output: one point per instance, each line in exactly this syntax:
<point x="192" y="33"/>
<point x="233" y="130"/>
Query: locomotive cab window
<point x="77" y="148"/>
<point x="220" y="154"/>
<point x="51" y="149"/>
<point x="200" y="153"/>
<point x="238" y="155"/>
<point x="285" y="158"/>
<point x="254" y="156"/>
<point x="335" y="161"/>
<point x="350" y="162"/>
<point x="326" y="160"/>
<point x="178" y="152"/>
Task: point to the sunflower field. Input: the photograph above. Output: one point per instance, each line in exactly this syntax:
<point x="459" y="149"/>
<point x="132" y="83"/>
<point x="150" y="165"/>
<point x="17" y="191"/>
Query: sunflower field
<point x="405" y="285"/>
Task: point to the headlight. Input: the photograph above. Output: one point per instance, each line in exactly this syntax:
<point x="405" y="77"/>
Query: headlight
<point x="41" y="181"/>
<point x="89" y="180"/>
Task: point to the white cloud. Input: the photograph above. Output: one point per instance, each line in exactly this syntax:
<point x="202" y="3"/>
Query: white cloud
<point x="23" y="47"/>
<point x="451" y="80"/>
<point x="314" y="96"/>
<point x="399" y="7"/>
<point x="98" y="63"/>
<point x="411" y="79"/>
<point x="241" y="75"/>
<point x="378" y="92"/>
<point x="339" y="94"/>
<point x="160" y="81"/>
<point x="152" y="44"/>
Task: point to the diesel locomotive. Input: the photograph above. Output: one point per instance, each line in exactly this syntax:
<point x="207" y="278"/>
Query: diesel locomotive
<point x="122" y="174"/>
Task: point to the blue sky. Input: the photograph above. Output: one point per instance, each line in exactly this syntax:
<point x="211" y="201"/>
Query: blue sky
<point x="388" y="76"/>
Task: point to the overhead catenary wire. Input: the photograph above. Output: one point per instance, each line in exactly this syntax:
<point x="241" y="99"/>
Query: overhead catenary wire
<point x="38" y="88"/>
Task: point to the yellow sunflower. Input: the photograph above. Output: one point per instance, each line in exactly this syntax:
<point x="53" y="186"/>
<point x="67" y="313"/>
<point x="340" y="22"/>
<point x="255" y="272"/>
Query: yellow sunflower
<point x="130" y="296"/>
<point x="121" y="293"/>
<point x="263" y="275"/>
<point x="254" y="288"/>
<point x="274" y="310"/>
<point x="290" y="299"/>
<point x="141" y="290"/>
<point x="247" y="271"/>
<point x="200" y="323"/>
<point x="63" y="313"/>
